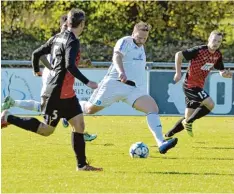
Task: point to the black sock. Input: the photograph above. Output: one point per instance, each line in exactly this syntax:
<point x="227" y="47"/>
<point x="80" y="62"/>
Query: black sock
<point x="176" y="129"/>
<point x="78" y="145"/>
<point x="198" y="113"/>
<point x="27" y="123"/>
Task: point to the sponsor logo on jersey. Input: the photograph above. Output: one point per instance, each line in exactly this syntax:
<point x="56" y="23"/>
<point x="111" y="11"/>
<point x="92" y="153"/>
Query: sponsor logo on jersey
<point x="207" y="66"/>
<point x="139" y="58"/>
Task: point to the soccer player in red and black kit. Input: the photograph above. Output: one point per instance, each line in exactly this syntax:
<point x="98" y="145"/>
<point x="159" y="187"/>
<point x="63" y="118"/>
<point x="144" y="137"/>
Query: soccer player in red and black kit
<point x="202" y="60"/>
<point x="59" y="99"/>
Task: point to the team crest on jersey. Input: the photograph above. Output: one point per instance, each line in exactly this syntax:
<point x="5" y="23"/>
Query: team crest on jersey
<point x="98" y="102"/>
<point x="207" y="66"/>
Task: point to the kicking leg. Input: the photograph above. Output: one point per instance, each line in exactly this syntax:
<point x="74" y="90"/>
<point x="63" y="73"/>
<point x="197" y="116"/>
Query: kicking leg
<point x="27" y="123"/>
<point x="147" y="105"/>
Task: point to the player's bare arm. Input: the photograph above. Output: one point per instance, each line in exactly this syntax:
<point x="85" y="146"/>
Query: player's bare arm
<point x="118" y="62"/>
<point x="178" y="63"/>
<point x="226" y="73"/>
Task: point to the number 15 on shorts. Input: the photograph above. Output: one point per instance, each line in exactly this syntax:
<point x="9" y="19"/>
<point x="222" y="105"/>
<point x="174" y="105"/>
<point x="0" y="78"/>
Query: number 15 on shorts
<point x="202" y="94"/>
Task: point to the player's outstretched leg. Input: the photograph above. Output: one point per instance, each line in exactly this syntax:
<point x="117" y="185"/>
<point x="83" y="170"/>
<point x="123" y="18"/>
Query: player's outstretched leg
<point x="176" y="129"/>
<point x="147" y="105"/>
<point x="25" y="104"/>
<point x="26" y="123"/>
<point x="7" y="103"/>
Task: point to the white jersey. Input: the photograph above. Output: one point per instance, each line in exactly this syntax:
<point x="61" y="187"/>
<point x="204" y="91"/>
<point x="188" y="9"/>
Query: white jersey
<point x="45" y="75"/>
<point x="134" y="61"/>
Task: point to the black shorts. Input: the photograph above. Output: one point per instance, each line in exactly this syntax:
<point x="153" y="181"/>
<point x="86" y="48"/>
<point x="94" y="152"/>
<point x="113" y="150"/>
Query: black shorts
<point x="54" y="109"/>
<point x="194" y="96"/>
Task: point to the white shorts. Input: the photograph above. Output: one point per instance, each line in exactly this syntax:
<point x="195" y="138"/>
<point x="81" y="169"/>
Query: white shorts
<point x="110" y="91"/>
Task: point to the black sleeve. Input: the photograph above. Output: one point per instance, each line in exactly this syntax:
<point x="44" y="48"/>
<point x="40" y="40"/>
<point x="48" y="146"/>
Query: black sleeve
<point x="42" y="50"/>
<point x="71" y="52"/>
<point x="45" y="62"/>
<point x="219" y="64"/>
<point x="191" y="53"/>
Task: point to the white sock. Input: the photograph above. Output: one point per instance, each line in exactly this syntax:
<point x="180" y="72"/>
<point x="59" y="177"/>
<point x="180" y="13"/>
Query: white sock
<point x="83" y="104"/>
<point x="28" y="105"/>
<point x="155" y="127"/>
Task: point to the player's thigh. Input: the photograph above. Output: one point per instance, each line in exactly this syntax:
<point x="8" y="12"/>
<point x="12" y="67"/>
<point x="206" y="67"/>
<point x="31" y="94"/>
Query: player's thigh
<point x="194" y="97"/>
<point x="50" y="111"/>
<point x="108" y="92"/>
<point x="71" y="110"/>
<point x="145" y="104"/>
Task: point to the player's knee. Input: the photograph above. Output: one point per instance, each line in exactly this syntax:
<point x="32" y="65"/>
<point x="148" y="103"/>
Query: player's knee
<point x="82" y="126"/>
<point x="210" y="104"/>
<point x="92" y="109"/>
<point x="45" y="130"/>
<point x="79" y="128"/>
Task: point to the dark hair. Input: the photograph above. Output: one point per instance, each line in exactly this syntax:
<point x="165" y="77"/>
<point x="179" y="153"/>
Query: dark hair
<point x="63" y="19"/>
<point x="75" y="17"/>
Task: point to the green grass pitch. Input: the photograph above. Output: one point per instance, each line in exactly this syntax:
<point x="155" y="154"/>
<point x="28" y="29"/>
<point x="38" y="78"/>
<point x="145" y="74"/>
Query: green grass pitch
<point x="204" y="163"/>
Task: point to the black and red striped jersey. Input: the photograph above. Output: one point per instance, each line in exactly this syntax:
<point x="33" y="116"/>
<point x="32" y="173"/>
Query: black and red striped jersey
<point x="65" y="53"/>
<point x="201" y="63"/>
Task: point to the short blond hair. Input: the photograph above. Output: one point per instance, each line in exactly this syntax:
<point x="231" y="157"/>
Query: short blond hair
<point x="142" y="26"/>
<point x="216" y="32"/>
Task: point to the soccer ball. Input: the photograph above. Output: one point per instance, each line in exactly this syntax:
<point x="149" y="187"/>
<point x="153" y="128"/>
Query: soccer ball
<point x="139" y="150"/>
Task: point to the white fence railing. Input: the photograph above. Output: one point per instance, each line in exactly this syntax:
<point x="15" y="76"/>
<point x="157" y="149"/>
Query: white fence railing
<point x="107" y="64"/>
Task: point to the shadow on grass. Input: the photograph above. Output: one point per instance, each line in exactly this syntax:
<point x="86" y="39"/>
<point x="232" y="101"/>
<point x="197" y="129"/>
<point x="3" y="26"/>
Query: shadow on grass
<point x="200" y="158"/>
<point x="190" y="173"/>
<point x="182" y="173"/>
<point x="215" y="148"/>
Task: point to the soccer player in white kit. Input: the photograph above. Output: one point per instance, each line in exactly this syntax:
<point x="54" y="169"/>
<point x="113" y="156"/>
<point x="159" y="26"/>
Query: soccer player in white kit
<point x="124" y="82"/>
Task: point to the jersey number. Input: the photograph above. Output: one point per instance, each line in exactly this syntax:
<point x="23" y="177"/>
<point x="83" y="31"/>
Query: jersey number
<point x="202" y="94"/>
<point x="54" y="116"/>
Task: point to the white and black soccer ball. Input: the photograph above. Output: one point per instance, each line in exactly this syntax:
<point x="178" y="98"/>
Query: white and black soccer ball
<point x="139" y="150"/>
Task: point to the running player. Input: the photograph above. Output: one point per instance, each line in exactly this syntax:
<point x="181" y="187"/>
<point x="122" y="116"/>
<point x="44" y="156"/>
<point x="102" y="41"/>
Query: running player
<point x="59" y="99"/>
<point x="202" y="60"/>
<point x="35" y="105"/>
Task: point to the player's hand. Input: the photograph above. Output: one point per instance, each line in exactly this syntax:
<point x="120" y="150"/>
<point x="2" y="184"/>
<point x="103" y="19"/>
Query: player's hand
<point x="226" y="73"/>
<point x="86" y="62"/>
<point x="39" y="73"/>
<point x="177" y="77"/>
<point x="92" y="84"/>
<point x="122" y="77"/>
